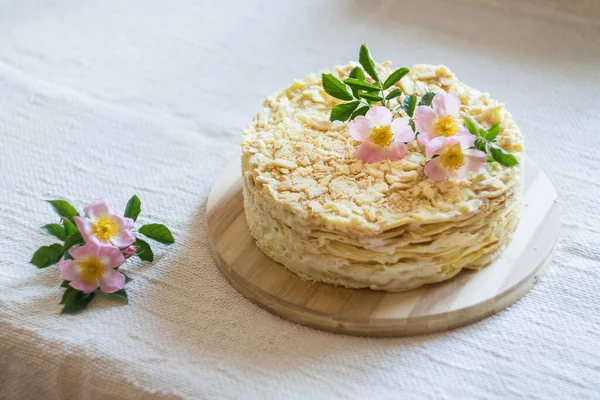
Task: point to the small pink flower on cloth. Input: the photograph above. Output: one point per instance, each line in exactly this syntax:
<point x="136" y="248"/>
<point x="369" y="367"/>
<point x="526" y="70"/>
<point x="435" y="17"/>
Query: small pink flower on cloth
<point x="442" y="120"/>
<point x="93" y="266"/>
<point x="382" y="136"/>
<point x="454" y="160"/>
<point x="104" y="226"/>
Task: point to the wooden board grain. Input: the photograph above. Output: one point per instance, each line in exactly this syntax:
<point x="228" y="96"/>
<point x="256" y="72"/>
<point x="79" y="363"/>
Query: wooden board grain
<point x="468" y="297"/>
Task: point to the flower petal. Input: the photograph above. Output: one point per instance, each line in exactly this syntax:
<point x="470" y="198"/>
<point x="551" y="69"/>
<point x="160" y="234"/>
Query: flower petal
<point x="84" y="286"/>
<point x="438" y="144"/>
<point x="459" y="174"/>
<point x="123" y="239"/>
<point x="112" y="281"/>
<point x="475" y="160"/>
<point x="111" y="256"/>
<point x="69" y="270"/>
<point x="379" y="115"/>
<point x="402" y="130"/>
<point x="424" y="118"/>
<point x="85" y="226"/>
<point x="465" y="140"/>
<point x="425" y="137"/>
<point x="368" y="153"/>
<point x="127" y="223"/>
<point x="434" y="170"/>
<point x="446" y="104"/>
<point x="396" y="151"/>
<point x="97" y="209"/>
<point x="124" y="223"/>
<point x="360" y="128"/>
<point x="462" y="130"/>
<point x="90" y="249"/>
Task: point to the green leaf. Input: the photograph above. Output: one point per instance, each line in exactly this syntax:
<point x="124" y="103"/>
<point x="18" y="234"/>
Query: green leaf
<point x="64" y="209"/>
<point x="70" y="227"/>
<point x="360" y="111"/>
<point x="409" y="104"/>
<point x="133" y="208"/>
<point x="356" y="73"/>
<point x="504" y="158"/>
<point x="395" y="77"/>
<point x="74" y="300"/>
<point x="371" y="96"/>
<point x="427" y="99"/>
<point x="335" y="88"/>
<point x="143" y="250"/>
<point x="66" y="292"/>
<point x="471" y="127"/>
<point x="127" y="278"/>
<point x="412" y="125"/>
<point x="72" y="241"/>
<point x="47" y="255"/>
<point x="342" y="112"/>
<point x="482" y="133"/>
<point x="158" y="232"/>
<point x="120" y="294"/>
<point x="481" y="144"/>
<point x="64" y="284"/>
<point x="493" y="132"/>
<point x="364" y="58"/>
<point x="393" y="94"/>
<point x="55" y="230"/>
<point x="361" y="85"/>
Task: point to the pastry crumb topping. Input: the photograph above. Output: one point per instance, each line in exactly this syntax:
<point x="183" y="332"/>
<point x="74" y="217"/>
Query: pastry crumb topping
<point x="304" y="163"/>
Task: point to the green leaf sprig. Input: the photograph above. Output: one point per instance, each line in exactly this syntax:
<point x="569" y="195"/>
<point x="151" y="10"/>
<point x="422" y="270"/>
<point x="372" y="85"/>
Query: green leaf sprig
<point x="360" y="94"/>
<point x="486" y="142"/>
<point x="67" y="232"/>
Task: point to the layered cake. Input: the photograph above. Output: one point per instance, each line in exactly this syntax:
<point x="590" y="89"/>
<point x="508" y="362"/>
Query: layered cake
<point x="328" y="213"/>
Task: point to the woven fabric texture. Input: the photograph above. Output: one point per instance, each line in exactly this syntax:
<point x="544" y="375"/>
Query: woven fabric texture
<point x="111" y="98"/>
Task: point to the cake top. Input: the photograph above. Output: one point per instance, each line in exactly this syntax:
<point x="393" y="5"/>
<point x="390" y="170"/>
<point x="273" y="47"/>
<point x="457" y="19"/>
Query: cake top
<point x="307" y="165"/>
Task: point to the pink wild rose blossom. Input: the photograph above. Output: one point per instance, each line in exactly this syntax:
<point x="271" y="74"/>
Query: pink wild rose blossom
<point x="104" y="226"/>
<point x="442" y="120"/>
<point x="93" y="266"/>
<point x="383" y="137"/>
<point x="454" y="160"/>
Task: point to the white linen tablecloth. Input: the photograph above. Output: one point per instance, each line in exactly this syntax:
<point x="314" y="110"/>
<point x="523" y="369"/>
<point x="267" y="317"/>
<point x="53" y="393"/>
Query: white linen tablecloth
<point x="111" y="98"/>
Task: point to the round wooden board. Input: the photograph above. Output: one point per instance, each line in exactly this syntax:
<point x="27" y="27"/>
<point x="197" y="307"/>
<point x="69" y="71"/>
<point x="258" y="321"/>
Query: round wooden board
<point x="468" y="297"/>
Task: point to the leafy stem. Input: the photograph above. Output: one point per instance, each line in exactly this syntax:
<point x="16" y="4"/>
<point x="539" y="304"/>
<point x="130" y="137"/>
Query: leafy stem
<point x="360" y="94"/>
<point x="486" y="142"/>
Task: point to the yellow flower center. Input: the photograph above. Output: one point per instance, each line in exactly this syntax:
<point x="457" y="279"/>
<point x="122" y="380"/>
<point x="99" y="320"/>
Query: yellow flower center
<point x="105" y="228"/>
<point x="91" y="269"/>
<point x="382" y="136"/>
<point x="453" y="158"/>
<point x="446" y="126"/>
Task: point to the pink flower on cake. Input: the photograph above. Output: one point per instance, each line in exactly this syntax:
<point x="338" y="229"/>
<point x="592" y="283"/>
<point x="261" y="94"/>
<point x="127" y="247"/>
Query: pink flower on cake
<point x="104" y="226"/>
<point x="93" y="266"/>
<point x="454" y="160"/>
<point x="442" y="120"/>
<point x="382" y="136"/>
